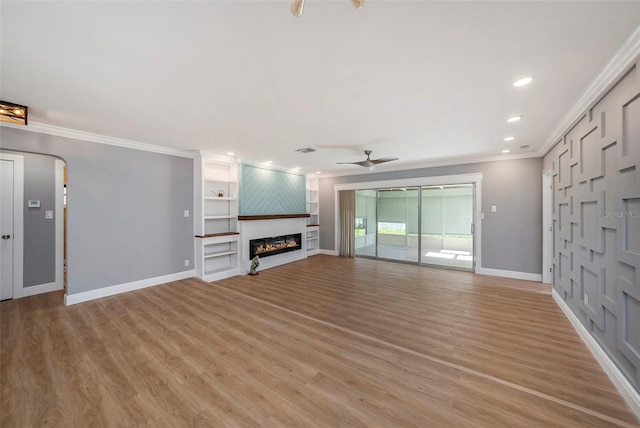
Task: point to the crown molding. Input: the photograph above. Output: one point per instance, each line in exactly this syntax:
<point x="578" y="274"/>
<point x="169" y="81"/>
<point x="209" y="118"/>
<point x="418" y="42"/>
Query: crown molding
<point x="432" y="164"/>
<point x="617" y="67"/>
<point x="43" y="128"/>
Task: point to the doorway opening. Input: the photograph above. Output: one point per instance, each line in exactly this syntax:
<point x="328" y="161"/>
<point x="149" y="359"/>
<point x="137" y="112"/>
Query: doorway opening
<point x="33" y="224"/>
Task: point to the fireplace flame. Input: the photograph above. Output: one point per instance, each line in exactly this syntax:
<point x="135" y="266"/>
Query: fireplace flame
<point x="274" y="247"/>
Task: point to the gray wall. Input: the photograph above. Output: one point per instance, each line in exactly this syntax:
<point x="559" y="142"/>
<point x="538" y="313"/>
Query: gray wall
<point x="39" y="233"/>
<point x="125" y="209"/>
<point x="596" y="176"/>
<point x="511" y="237"/>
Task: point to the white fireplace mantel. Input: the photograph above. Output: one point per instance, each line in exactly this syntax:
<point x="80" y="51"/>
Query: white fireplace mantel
<point x="256" y="229"/>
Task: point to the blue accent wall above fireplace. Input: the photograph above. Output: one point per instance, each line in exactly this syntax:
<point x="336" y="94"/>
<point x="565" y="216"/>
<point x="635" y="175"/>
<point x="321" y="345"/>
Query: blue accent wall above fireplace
<point x="269" y="191"/>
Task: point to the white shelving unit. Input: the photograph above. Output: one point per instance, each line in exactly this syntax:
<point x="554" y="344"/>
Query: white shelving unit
<point x="217" y="238"/>
<point x="313" y="225"/>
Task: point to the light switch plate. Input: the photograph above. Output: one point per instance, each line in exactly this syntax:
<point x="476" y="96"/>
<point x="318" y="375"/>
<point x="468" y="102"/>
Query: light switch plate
<point x="48" y="214"/>
<point x="494" y="208"/>
<point x="186" y="213"/>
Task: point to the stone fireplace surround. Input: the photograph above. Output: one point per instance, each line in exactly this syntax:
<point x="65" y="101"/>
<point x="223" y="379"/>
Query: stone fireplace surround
<point x="257" y="227"/>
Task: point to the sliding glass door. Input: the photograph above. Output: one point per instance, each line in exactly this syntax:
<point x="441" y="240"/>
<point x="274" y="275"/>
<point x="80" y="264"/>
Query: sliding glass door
<point x="447" y="226"/>
<point x="428" y="225"/>
<point x="398" y="224"/>
<point x="366" y="221"/>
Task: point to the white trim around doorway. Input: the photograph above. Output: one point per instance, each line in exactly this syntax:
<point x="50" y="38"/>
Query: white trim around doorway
<point x="547" y="227"/>
<point x="18" y="222"/>
<point x="59" y="210"/>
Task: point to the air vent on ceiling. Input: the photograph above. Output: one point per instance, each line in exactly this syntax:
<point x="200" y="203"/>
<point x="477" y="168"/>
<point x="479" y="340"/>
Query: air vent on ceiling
<point x="306" y="150"/>
<point x="524" y="147"/>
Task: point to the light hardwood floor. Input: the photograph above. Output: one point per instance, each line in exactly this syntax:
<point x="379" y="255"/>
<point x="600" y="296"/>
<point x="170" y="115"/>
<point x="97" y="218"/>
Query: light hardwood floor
<point x="322" y="342"/>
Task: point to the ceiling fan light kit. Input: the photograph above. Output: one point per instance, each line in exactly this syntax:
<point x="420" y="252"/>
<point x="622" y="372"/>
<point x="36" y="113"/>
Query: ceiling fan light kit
<point x="297" y="6"/>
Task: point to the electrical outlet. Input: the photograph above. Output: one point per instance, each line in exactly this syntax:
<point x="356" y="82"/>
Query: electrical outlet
<point x="186" y="213"/>
<point x="586" y="299"/>
<point x="186" y="263"/>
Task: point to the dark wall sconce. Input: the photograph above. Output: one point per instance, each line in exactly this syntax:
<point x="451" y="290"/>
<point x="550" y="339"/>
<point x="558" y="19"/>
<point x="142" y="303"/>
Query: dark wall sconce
<point x="13" y="113"/>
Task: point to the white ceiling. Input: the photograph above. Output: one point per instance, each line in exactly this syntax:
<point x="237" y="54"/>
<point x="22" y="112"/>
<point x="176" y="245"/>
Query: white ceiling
<point x="423" y="81"/>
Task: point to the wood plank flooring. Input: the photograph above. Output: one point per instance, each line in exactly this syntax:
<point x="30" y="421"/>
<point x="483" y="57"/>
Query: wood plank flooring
<point x="326" y="341"/>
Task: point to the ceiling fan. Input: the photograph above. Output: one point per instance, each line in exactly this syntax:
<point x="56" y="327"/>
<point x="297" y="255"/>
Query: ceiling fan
<point x="298" y="5"/>
<point x="369" y="163"/>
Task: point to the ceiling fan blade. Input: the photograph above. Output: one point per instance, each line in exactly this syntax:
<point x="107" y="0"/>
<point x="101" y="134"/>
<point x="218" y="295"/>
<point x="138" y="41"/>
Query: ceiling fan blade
<point x="364" y="163"/>
<point x="368" y="162"/>
<point x="297" y="7"/>
<point x="357" y="3"/>
<point x="383" y="160"/>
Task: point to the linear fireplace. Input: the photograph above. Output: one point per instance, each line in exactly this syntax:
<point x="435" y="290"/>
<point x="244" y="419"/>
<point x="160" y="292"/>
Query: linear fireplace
<point x="273" y="245"/>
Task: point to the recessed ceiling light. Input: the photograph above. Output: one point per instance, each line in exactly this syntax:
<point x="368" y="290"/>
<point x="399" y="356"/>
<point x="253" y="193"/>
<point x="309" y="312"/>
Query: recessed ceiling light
<point x="522" y="82"/>
<point x="506" y="151"/>
<point x="318" y="172"/>
<point x="268" y="162"/>
<point x="230" y="153"/>
<point x="297" y="168"/>
<point x="514" y="118"/>
<point x="509" y="138"/>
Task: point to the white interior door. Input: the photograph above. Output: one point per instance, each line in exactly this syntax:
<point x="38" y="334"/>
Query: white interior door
<point x="6" y="229"/>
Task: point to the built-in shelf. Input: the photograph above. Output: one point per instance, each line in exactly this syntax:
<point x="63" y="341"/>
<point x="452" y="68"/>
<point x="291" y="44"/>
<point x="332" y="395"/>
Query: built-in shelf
<point x="215" y="235"/>
<point x="219" y="198"/>
<point x="219" y="254"/>
<point x="217" y="248"/>
<point x="224" y="272"/>
<point x="216" y="180"/>
<point x="313" y="228"/>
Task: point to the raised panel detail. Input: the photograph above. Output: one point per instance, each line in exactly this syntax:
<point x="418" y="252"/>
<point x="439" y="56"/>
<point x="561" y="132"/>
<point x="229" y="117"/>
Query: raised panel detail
<point x="631" y="329"/>
<point x="630" y="147"/>
<point x="632" y="225"/>
<point x="590" y="157"/>
<point x="597" y="214"/>
<point x="564" y="172"/>
<point x="589" y="220"/>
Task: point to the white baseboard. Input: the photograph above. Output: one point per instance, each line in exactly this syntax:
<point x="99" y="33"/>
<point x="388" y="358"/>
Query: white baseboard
<point x="41" y="288"/>
<point x="328" y="252"/>
<point x="630" y="395"/>
<point x="72" y="299"/>
<point x="510" y="274"/>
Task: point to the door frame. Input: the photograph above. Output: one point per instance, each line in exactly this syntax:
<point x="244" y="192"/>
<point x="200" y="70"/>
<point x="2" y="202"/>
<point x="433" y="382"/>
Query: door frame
<point x="60" y="232"/>
<point x="18" y="221"/>
<point x="547" y="227"/>
<point x="473" y="178"/>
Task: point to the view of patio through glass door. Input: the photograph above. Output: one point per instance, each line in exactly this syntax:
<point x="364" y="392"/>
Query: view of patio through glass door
<point x="427" y="225"/>
<point x="447" y="226"/>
